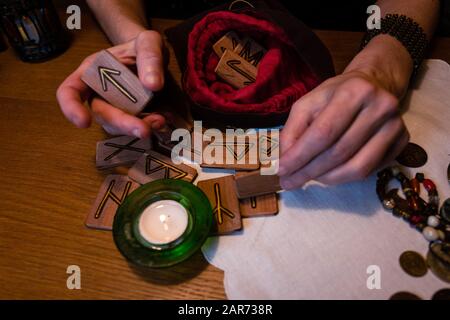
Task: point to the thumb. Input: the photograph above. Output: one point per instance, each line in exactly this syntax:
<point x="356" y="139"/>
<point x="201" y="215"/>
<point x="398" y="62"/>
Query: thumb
<point x="149" y="59"/>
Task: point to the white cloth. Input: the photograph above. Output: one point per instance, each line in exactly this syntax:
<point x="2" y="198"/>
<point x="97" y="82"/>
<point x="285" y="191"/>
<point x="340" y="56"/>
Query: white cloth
<point x="323" y="240"/>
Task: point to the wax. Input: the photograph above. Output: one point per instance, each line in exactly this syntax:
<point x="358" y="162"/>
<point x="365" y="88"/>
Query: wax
<point x="163" y="222"/>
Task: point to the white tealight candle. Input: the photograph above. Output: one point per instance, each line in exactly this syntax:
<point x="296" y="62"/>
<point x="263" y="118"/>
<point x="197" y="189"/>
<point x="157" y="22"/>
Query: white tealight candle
<point x="163" y="222"/>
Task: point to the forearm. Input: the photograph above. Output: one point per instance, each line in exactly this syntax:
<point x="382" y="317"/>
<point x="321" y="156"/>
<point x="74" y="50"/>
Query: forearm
<point x="384" y="57"/>
<point x="120" y="20"/>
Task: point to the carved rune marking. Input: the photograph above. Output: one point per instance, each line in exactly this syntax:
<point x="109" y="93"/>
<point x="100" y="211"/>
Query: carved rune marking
<point x="269" y="146"/>
<point x="106" y="74"/>
<point x="168" y="169"/>
<point x="111" y="195"/>
<point x="252" y="58"/>
<point x="234" y="64"/>
<point x="121" y="148"/>
<point x="219" y="209"/>
<point x="232" y="148"/>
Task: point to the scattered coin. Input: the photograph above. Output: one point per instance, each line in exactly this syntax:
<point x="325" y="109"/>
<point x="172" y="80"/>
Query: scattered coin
<point x="404" y="296"/>
<point x="438" y="259"/>
<point x="445" y="210"/>
<point x="413" y="264"/>
<point x="448" y="173"/>
<point x="413" y="156"/>
<point x="443" y="294"/>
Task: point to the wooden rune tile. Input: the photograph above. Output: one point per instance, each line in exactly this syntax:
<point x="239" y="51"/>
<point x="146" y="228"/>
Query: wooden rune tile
<point x="154" y="166"/>
<point x="163" y="144"/>
<point x="253" y="183"/>
<point x="197" y="143"/>
<point x="235" y="70"/>
<point x="116" y="83"/>
<point x="251" y="51"/>
<point x="186" y="148"/>
<point x="269" y="146"/>
<point x="162" y="141"/>
<point x="266" y="205"/>
<point x="120" y="151"/>
<point x="112" y="193"/>
<point x="237" y="153"/>
<point x="230" y="41"/>
<point x="221" y="193"/>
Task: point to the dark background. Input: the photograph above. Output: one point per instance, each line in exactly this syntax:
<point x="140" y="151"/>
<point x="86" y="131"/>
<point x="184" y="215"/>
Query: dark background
<point x="347" y="15"/>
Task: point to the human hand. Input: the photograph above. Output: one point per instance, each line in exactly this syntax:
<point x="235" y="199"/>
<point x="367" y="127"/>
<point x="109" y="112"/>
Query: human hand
<point x="340" y="132"/>
<point x="146" y="52"/>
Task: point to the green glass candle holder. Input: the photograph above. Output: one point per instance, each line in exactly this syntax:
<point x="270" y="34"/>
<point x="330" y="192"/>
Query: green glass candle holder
<point x="137" y="249"/>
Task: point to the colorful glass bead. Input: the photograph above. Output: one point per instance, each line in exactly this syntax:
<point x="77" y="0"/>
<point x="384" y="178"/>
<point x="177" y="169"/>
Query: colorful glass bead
<point x="389" y="204"/>
<point x="397" y="212"/>
<point x="415" y="219"/>
<point x="415" y="185"/>
<point x="420" y="226"/>
<point x="430" y="210"/>
<point x="404" y="180"/>
<point x="408" y="191"/>
<point x="385" y="174"/>
<point x="441" y="235"/>
<point x="423" y="204"/>
<point x="429" y="185"/>
<point x="430" y="234"/>
<point x="420" y="176"/>
<point x="395" y="170"/>
<point x="413" y="204"/>
<point x="433" y="221"/>
<point x="406" y="215"/>
<point x="434" y="200"/>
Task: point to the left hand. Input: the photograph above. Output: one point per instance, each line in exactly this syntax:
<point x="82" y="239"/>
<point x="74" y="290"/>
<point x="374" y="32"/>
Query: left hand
<point x="146" y="53"/>
<point x="340" y="132"/>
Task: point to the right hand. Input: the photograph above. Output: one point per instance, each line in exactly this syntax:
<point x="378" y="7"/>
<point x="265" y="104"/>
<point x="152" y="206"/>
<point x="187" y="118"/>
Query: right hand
<point x="146" y="52"/>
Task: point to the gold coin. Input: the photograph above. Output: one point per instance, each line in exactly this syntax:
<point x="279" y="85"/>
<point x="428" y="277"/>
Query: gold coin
<point x="413" y="156"/>
<point x="404" y="296"/>
<point x="438" y="259"/>
<point x="413" y="264"/>
<point x="443" y="294"/>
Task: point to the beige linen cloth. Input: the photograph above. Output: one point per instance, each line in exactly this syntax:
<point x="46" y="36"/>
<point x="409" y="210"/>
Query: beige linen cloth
<point x="323" y="240"/>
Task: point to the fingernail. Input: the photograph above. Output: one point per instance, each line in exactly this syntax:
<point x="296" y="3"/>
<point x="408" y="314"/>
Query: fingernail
<point x="136" y="133"/>
<point x="156" y="125"/>
<point x="75" y="120"/>
<point x="153" y="79"/>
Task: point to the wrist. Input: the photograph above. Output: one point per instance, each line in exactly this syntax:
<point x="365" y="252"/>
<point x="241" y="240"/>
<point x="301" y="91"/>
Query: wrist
<point x="387" y="61"/>
<point x="129" y="33"/>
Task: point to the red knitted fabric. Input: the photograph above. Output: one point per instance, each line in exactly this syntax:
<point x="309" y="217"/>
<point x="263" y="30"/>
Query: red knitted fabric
<point x="282" y="78"/>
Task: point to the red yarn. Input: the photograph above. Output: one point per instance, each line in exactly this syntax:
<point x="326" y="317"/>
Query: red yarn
<point x="282" y="78"/>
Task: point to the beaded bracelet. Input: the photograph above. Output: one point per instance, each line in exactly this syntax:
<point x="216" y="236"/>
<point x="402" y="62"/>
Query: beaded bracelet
<point x="405" y="30"/>
<point x="422" y="215"/>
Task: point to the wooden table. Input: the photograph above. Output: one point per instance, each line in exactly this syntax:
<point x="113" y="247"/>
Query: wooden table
<point x="48" y="182"/>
